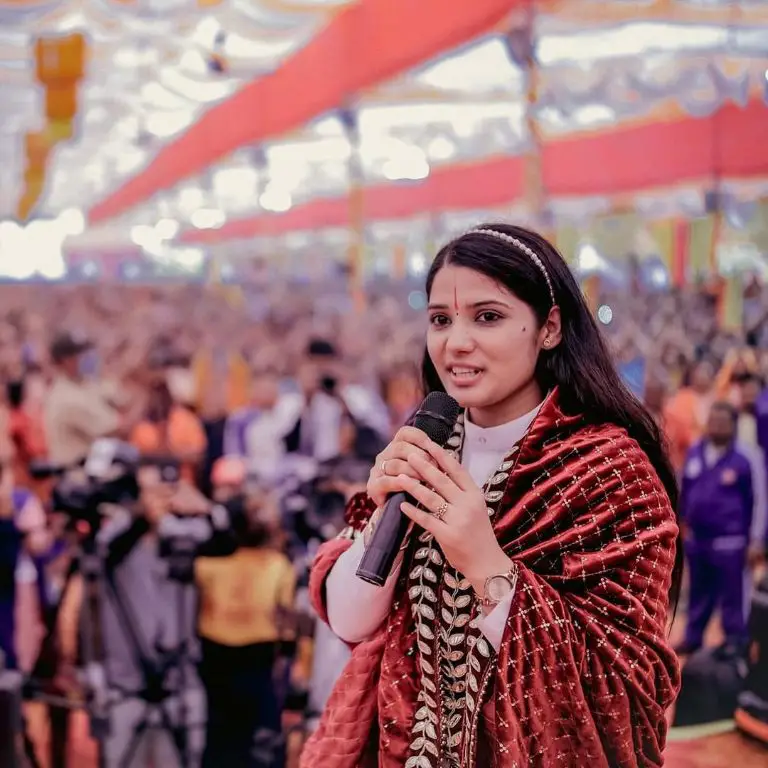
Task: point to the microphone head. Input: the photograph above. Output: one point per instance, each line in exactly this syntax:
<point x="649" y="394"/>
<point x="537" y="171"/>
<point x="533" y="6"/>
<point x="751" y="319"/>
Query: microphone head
<point x="437" y="416"/>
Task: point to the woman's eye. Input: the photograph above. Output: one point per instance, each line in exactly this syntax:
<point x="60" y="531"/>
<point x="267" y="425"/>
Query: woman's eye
<point x="489" y="317"/>
<point x="438" y="320"/>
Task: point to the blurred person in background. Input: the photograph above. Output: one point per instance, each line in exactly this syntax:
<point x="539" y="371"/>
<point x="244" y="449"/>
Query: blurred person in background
<point x="27" y="429"/>
<point x="760" y="411"/>
<point x="327" y="397"/>
<point x="246" y="603"/>
<point x="158" y="604"/>
<point x="336" y="480"/>
<point x="739" y="364"/>
<point x="750" y="387"/>
<point x="687" y="411"/>
<point x="258" y="432"/>
<point x="723" y="510"/>
<point x="402" y="393"/>
<point x="213" y="415"/>
<point x="171" y="429"/>
<point x="228" y="478"/>
<point x="76" y="413"/>
<point x="340" y="479"/>
<point x="655" y="399"/>
<point x="23" y="536"/>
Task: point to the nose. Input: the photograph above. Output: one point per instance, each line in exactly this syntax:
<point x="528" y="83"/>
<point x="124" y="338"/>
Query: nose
<point x="460" y="339"/>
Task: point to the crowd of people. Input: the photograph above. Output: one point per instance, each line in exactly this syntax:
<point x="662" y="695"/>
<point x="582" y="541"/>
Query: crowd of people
<point x="273" y="403"/>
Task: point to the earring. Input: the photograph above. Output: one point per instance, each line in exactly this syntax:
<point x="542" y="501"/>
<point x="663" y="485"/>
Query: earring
<point x="547" y="342"/>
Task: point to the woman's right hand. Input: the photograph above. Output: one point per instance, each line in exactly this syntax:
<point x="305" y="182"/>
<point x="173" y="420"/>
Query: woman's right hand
<point x="393" y="461"/>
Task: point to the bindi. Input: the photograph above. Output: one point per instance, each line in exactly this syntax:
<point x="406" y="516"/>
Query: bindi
<point x="456" y="299"/>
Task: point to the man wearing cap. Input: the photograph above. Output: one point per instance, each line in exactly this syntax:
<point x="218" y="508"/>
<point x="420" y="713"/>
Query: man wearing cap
<point x="76" y="413"/>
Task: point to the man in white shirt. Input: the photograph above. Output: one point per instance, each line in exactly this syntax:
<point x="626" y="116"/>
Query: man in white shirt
<point x="327" y="399"/>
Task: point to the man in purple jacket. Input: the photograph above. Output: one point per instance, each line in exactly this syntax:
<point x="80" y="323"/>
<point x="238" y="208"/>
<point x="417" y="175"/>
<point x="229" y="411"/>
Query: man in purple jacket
<point x="723" y="509"/>
<point x="760" y="411"/>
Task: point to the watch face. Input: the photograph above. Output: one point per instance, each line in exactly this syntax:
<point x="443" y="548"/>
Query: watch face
<point x="497" y="588"/>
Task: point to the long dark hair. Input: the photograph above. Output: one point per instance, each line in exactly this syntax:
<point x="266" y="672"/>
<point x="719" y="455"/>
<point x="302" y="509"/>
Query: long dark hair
<point x="581" y="365"/>
<point x="159" y="403"/>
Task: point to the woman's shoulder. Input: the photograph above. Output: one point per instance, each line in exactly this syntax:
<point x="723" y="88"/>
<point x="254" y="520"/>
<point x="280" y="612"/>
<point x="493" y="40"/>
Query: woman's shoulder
<point x="601" y="437"/>
<point x="608" y="450"/>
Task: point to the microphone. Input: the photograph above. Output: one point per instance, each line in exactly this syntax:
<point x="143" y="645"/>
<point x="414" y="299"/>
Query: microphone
<point x="436" y="417"/>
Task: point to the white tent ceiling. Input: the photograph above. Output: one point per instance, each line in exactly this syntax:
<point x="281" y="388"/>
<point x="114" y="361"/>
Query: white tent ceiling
<point x="150" y="76"/>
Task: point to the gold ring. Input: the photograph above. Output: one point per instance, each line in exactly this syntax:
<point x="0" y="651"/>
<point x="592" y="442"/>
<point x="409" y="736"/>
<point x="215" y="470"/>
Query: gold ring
<point x="384" y="467"/>
<point x="441" y="510"/>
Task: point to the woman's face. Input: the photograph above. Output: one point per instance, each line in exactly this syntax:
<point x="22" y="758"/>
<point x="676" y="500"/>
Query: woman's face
<point x="484" y="343"/>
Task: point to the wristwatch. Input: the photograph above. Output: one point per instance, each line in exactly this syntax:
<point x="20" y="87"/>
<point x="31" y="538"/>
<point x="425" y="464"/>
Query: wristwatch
<point x="498" y="587"/>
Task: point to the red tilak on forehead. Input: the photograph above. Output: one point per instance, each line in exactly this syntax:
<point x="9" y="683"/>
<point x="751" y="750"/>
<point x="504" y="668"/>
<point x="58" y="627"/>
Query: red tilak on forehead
<point x="456" y="297"/>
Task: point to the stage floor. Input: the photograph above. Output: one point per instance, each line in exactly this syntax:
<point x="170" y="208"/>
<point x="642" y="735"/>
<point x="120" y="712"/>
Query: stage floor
<point x="725" y="751"/>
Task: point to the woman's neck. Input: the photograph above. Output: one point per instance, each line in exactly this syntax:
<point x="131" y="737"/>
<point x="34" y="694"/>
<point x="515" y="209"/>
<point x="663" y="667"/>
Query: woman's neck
<point x="515" y="406"/>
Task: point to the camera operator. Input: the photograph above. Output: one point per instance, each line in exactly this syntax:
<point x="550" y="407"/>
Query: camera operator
<point x="328" y="399"/>
<point x="144" y="580"/>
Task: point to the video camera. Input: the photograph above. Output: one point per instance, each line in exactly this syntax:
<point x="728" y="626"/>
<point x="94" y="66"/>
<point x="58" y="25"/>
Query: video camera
<point x="108" y="475"/>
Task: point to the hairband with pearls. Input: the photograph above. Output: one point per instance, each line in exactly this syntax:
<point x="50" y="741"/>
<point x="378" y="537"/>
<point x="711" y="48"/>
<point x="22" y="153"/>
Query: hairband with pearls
<point x="521" y="246"/>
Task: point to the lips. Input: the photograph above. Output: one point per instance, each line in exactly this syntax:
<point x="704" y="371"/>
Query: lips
<point x="464" y="375"/>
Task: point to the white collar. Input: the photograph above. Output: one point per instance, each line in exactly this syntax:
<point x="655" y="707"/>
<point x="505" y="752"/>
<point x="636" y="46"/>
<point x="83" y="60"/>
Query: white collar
<point x="499" y="438"/>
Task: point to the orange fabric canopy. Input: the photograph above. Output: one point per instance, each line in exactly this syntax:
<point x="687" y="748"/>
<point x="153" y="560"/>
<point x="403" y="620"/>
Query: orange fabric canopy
<point x="654" y="155"/>
<point x="365" y="44"/>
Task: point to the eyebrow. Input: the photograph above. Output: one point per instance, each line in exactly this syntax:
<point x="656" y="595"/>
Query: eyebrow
<point x="475" y="305"/>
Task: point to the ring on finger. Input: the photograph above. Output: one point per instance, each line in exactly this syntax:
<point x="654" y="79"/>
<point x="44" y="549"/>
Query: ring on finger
<point x="441" y="510"/>
<point x="383" y="467"/>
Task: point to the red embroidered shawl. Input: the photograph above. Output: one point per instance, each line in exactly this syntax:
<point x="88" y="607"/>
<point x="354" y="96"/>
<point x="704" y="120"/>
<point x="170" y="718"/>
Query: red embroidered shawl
<point x="584" y="674"/>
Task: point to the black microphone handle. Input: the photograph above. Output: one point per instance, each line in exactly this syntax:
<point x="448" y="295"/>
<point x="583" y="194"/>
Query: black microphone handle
<point x="388" y="536"/>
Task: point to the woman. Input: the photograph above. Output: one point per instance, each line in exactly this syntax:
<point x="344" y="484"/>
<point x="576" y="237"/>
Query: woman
<point x="246" y="601"/>
<point x="527" y="623"/>
<point x="170" y="429"/>
<point x="687" y="411"/>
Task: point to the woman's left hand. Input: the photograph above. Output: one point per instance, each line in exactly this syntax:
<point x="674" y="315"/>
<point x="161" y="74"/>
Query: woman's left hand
<point x="456" y="513"/>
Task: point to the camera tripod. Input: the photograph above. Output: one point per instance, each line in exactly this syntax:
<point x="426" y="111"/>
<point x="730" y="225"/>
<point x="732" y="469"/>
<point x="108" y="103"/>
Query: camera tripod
<point x="162" y="691"/>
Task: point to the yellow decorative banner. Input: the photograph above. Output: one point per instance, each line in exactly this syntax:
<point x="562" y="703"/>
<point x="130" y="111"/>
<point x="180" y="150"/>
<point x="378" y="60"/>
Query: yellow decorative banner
<point x="60" y="130"/>
<point x="28" y="201"/>
<point x="60" y="59"/>
<point x="61" y="102"/>
<point x="758" y="227"/>
<point x="702" y="242"/>
<point x="614" y="235"/>
<point x="663" y="233"/>
<point x="59" y="67"/>
<point x="731" y="304"/>
<point x="567" y="240"/>
<point x="37" y="147"/>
